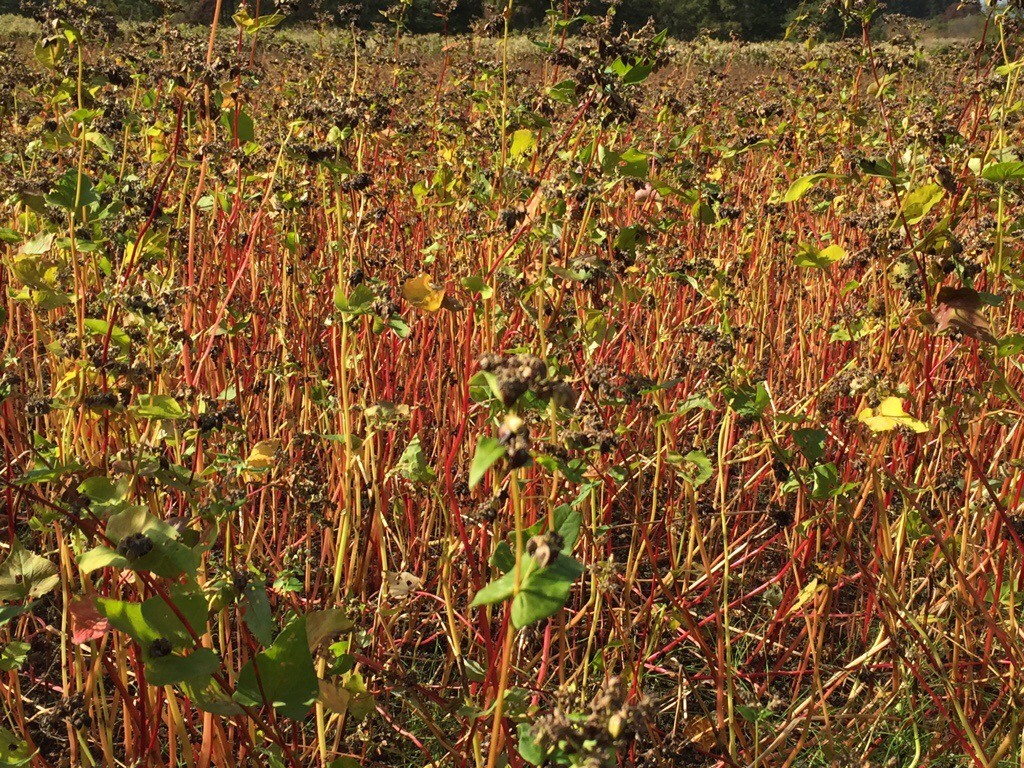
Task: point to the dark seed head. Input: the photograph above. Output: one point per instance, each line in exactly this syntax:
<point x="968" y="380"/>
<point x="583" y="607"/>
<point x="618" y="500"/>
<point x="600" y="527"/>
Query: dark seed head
<point x="160" y="647"/>
<point x="545" y="549"/>
<point x="135" y="546"/>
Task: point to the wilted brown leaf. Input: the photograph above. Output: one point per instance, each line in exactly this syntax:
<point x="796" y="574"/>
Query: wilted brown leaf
<point x="700" y="732"/>
<point x="402" y="584"/>
<point x="961" y="309"/>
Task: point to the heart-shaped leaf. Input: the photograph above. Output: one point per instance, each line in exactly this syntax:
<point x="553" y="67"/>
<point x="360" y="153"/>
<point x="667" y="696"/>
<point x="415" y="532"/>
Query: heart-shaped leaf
<point x="282" y="676"/>
<point x="26" y="575"/>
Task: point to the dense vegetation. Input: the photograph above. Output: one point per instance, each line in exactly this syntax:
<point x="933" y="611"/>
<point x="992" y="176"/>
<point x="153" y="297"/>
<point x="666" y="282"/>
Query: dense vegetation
<point x="584" y="401"/>
<point x="748" y="19"/>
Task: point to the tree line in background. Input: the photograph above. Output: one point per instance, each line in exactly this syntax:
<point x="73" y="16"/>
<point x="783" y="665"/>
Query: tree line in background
<point x="747" y="19"/>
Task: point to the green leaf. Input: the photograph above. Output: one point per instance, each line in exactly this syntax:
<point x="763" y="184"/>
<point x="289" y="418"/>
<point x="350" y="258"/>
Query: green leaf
<point x="488" y="451"/>
<point x="803" y="185"/>
<point x="529" y="749"/>
<point x="809" y="256"/>
<point x="634" y="164"/>
<point x="568" y="522"/>
<point x="477" y="284"/>
<point x="242" y="129"/>
<point x="749" y="401"/>
<point x="51" y="51"/>
<point x="101" y="490"/>
<point x="42" y="473"/>
<point x="351" y="698"/>
<point x="257" y="613"/>
<point x="637" y="74"/>
<point x="210" y="697"/>
<point x="13" y="655"/>
<point x="8" y="612"/>
<point x="168" y="558"/>
<point x="881" y="169"/>
<point x="101" y="557"/>
<point x="811" y="442"/>
<point x="169" y="670"/>
<point x="154" y="619"/>
<point x="286" y="678"/>
<point x="412" y="465"/>
<point x="1010" y="345"/>
<point x="564" y="92"/>
<point x="825" y="482"/>
<point x="504" y="558"/>
<point x="37" y="246"/>
<point x="358" y="303"/>
<point x="127" y="617"/>
<point x="399" y="327"/>
<point x="34" y="272"/>
<point x="250" y="25"/>
<point x="498" y="590"/>
<point x="26" y="575"/>
<point x="1000" y="173"/>
<point x="99" y="327"/>
<point x="523" y="141"/>
<point x="918" y="203"/>
<point x="702" y="465"/>
<point x="158" y="407"/>
<point x="14" y="752"/>
<point x="544" y="591"/>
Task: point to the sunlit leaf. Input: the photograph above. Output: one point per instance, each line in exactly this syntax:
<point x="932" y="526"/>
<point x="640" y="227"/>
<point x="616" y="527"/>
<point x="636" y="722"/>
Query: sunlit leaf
<point x="488" y="452"/>
<point x="523" y="141"/>
<point x="1001" y="173"/>
<point x="803" y="185"/>
<point x="810" y="256"/>
<point x="421" y="292"/>
<point x="888" y="416"/>
<point x="158" y="407"/>
<point x="544" y="591"/>
<point x="101" y="557"/>
<point x="262" y="457"/>
<point x="412" y="464"/>
<point x="26" y="575"/>
<point x="14" y="752"/>
<point x="918" y="203"/>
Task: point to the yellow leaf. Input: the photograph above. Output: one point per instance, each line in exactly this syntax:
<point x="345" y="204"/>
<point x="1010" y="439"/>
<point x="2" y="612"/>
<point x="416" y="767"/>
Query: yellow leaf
<point x="262" y="456"/>
<point x="421" y="292"/>
<point x="888" y="416"/>
<point x="523" y="141"/>
<point x="806" y="595"/>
